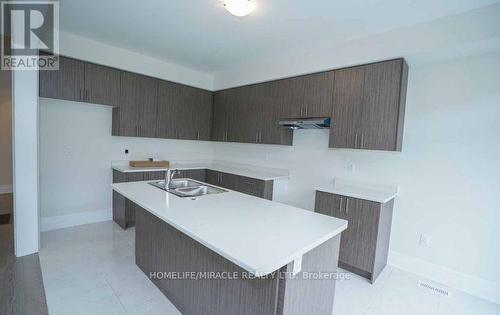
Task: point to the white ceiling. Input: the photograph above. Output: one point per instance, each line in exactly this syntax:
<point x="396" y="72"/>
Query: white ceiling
<point x="201" y="35"/>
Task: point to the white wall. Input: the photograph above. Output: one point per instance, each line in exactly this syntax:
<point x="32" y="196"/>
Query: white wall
<point x="448" y="171"/>
<point x="76" y="150"/>
<point x="76" y="143"/>
<point x="5" y="131"/>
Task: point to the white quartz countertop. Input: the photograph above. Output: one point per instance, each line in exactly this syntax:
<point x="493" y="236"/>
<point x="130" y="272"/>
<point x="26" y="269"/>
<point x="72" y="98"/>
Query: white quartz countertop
<point x="371" y="192"/>
<point x="241" y="170"/>
<point x="258" y="235"/>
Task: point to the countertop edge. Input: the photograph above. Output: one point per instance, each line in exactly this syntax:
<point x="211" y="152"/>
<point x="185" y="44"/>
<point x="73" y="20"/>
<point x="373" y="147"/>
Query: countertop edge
<point x="357" y="195"/>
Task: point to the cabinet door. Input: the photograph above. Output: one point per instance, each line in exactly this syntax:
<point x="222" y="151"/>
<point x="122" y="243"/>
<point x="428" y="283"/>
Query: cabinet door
<point x="127" y="114"/>
<point x="220" y="116"/>
<point x="213" y="177"/>
<point x="102" y="85"/>
<point x="168" y="103"/>
<point x="360" y="244"/>
<point x="119" y="206"/>
<point x="147" y="103"/>
<point x="67" y="83"/>
<point x="119" y="177"/>
<point x="203" y="114"/>
<point x="318" y="94"/>
<point x="329" y="204"/>
<point x="290" y="94"/>
<point x="272" y="111"/>
<point x="347" y="108"/>
<point x="379" y="122"/>
<point x="229" y="181"/>
<point x="245" y="109"/>
<point x="251" y="186"/>
<point x="192" y="113"/>
<point x="196" y="174"/>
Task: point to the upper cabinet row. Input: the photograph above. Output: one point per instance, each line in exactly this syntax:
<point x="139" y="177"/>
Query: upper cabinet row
<point x="143" y="106"/>
<point x="366" y="104"/>
<point x="81" y="81"/>
<point x="251" y="113"/>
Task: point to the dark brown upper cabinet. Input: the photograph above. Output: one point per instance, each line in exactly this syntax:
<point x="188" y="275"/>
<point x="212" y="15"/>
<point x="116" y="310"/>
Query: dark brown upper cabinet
<point x="184" y="112"/>
<point x="82" y="82"/>
<point x="369" y="106"/>
<point x="102" y="85"/>
<point x="136" y="116"/>
<point x="272" y="112"/>
<point x="67" y="83"/>
<point x="307" y="96"/>
<point x="245" y="114"/>
<point x="251" y="114"/>
<point x="220" y="117"/>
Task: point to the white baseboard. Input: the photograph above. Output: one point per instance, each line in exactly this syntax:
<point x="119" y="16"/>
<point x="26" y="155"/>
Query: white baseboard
<point x="5" y="189"/>
<point x="475" y="286"/>
<point x="74" y="219"/>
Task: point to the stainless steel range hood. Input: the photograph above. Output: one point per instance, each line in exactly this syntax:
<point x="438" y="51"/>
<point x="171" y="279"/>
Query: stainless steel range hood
<point x="306" y="123"/>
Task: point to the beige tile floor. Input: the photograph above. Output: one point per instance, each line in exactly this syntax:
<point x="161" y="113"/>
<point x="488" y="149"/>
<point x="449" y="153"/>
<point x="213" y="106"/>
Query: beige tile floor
<point x="90" y="269"/>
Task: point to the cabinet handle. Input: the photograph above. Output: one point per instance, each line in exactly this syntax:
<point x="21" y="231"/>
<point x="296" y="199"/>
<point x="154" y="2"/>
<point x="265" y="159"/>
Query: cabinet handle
<point x="302" y="111"/>
<point x="362" y="140"/>
<point x="347" y="206"/>
<point x="340" y="207"/>
<point x="86" y="94"/>
<point x="198" y="135"/>
<point x="80" y="98"/>
<point x="260" y="137"/>
<point x="257" y="137"/>
<point x="307" y="109"/>
<point x="356" y="141"/>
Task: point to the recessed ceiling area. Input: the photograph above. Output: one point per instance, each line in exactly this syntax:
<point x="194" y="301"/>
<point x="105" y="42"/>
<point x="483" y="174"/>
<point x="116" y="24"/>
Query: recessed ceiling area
<point x="202" y="35"/>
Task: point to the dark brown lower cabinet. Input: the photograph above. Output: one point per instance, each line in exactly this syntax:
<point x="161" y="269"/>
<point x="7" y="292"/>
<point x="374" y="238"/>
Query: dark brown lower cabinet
<point x="199" y="175"/>
<point x="160" y="249"/>
<point x="123" y="209"/>
<point x="246" y="185"/>
<point x="364" y="245"/>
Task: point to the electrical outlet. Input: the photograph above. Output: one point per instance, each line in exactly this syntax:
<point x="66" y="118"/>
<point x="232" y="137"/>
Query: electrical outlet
<point x="68" y="151"/>
<point x="425" y="240"/>
<point x="351" y="167"/>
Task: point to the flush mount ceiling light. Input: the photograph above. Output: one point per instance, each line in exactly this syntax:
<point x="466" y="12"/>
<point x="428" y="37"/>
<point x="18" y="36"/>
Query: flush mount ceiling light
<point x="239" y="7"/>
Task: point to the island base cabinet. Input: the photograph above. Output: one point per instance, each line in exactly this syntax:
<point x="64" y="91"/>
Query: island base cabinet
<point x="161" y="250"/>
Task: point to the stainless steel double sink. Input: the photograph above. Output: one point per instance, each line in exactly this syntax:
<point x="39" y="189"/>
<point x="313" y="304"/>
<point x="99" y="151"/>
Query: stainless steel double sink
<point x="187" y="188"/>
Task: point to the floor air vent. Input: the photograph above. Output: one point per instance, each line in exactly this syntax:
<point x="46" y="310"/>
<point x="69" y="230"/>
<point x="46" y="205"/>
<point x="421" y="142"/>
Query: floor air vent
<point x="434" y="288"/>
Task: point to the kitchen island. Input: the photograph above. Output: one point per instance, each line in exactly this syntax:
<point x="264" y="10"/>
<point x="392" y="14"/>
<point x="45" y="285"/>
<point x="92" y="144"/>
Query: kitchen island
<point x="231" y="253"/>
